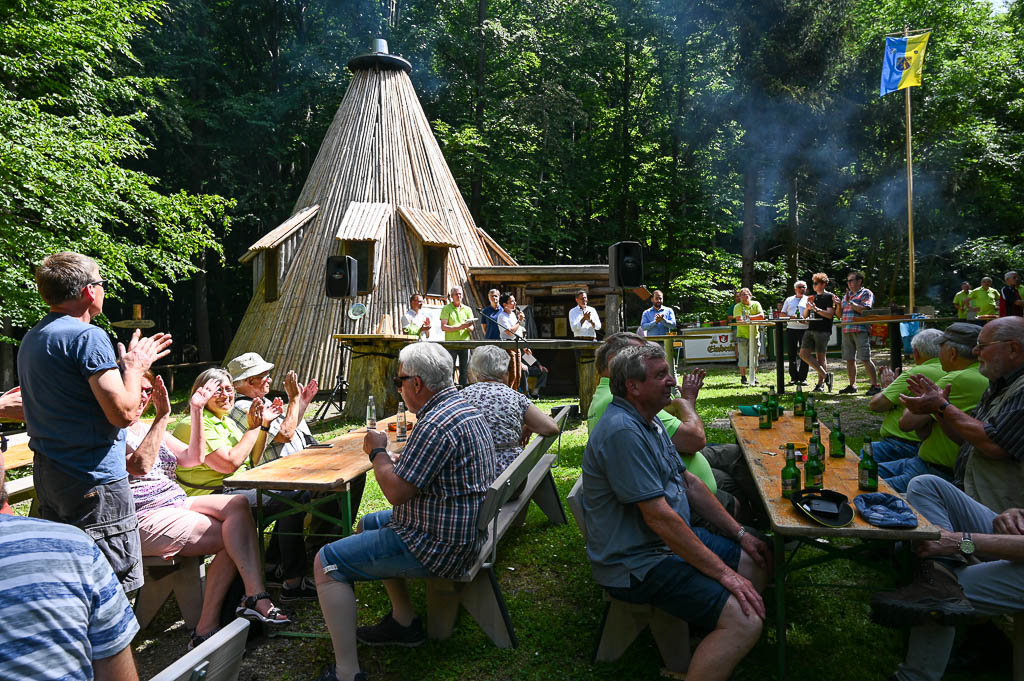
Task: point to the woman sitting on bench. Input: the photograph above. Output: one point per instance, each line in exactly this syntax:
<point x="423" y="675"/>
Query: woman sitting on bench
<point x="172" y="524"/>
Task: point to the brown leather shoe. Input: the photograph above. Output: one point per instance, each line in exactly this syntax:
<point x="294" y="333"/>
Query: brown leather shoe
<point x="934" y="596"/>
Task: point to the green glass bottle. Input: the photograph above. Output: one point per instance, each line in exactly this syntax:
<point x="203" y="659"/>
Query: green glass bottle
<point x="773" y="404"/>
<point x="867" y="469"/>
<point x="837" y="440"/>
<point x="764" y="416"/>
<point x="790" y="475"/>
<point x="799" y="402"/>
<point x="810" y="415"/>
<point x="814" y="469"/>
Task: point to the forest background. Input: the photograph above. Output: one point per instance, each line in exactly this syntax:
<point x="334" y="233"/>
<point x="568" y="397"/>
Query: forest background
<point x="739" y="142"/>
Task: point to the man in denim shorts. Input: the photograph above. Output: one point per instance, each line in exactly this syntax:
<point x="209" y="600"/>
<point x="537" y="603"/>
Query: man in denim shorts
<point x="856" y="302"/>
<point x="436" y="486"/>
<point x="77" y="399"/>
<point x="637" y="496"/>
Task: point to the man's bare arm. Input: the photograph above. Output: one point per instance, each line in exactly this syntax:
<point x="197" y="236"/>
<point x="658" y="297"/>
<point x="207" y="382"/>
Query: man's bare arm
<point x="118" y="667"/>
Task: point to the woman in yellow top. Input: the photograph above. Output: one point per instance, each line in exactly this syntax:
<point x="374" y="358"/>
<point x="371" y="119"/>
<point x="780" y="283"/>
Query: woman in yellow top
<point x="229" y="450"/>
<point x="747" y="309"/>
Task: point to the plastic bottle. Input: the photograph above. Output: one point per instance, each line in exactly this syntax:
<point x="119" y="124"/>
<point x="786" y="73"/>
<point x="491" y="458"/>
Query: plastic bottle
<point x="371" y="414"/>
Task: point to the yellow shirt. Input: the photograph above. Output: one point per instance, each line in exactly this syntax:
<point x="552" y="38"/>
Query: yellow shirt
<point x="220" y="432"/>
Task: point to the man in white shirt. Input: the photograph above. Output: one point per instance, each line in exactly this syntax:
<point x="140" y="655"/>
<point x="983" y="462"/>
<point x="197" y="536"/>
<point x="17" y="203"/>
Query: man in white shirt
<point x="415" y="321"/>
<point x="583" y="319"/>
<point x="793" y="308"/>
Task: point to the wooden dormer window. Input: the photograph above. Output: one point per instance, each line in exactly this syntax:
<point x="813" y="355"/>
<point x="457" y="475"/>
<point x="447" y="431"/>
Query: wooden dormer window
<point x="277" y="247"/>
<point x="360" y="230"/>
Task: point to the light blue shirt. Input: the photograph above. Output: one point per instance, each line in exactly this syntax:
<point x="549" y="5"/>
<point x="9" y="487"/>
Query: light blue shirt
<point x="661" y="328"/>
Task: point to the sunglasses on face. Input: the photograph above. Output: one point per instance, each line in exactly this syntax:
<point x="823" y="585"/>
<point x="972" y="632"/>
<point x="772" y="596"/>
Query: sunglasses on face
<point x="102" y="283"/>
<point x="399" y="380"/>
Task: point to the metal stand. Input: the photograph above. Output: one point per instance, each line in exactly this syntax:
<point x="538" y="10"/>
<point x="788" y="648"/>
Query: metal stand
<point x="340" y="392"/>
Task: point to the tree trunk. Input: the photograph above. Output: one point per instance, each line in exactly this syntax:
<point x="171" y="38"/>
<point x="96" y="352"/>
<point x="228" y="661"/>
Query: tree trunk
<point x="477" y="183"/>
<point x="625" y="149"/>
<point x="202" y="312"/>
<point x="8" y="376"/>
<point x="793" y="239"/>
<point x="751" y="189"/>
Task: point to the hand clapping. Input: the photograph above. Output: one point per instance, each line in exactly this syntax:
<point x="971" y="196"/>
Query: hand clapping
<point x="928" y="396"/>
<point x="160" y="399"/>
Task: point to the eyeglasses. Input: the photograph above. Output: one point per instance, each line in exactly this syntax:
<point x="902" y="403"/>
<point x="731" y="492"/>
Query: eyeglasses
<point x="399" y="380"/>
<point x="99" y="282"/>
<point x="225" y="390"/>
<point x="146" y="392"/>
<point x="982" y="346"/>
<point x="801" y="287"/>
<point x="850" y="281"/>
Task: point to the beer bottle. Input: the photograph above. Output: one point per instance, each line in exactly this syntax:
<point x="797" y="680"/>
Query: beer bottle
<point x="820" y="445"/>
<point x="790" y="473"/>
<point x="810" y="415"/>
<point x="764" y="416"/>
<point x="814" y="470"/>
<point x="773" y="404"/>
<point x="837" y="440"/>
<point x="799" y="401"/>
<point x="867" y="470"/>
<point x="402" y="428"/>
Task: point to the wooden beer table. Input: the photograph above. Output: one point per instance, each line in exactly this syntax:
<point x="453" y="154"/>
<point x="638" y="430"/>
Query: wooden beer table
<point x="761" y="449"/>
<point x="328" y="471"/>
<point x="18" y="453"/>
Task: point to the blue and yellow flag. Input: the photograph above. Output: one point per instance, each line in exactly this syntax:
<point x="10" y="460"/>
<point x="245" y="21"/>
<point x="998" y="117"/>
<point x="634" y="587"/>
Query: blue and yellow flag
<point x="902" y="63"/>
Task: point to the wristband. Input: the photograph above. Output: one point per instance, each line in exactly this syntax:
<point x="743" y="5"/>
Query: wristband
<point x="265" y="429"/>
<point x="375" y="451"/>
<point x="739" y="535"/>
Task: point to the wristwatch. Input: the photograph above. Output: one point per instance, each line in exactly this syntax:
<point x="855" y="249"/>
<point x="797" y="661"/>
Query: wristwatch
<point x="375" y="451"/>
<point x="967" y="545"/>
<point x="942" y="409"/>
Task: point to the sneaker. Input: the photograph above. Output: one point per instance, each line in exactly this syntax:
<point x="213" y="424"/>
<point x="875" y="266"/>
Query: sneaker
<point x="328" y="674"/>
<point x="829" y="378"/>
<point x="848" y="390"/>
<point x="873" y="390"/>
<point x="934" y="595"/>
<point x="754" y="382"/>
<point x="743" y="380"/>
<point x="305" y="591"/>
<point x="272" y="575"/>
<point x="818" y="389"/>
<point x="388" y="632"/>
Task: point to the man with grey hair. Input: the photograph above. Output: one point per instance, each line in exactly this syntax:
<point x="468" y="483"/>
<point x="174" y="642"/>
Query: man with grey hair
<point x="456" y="321"/>
<point x="1012" y="304"/>
<point x="896" y="443"/>
<point x="637" y="498"/>
<point x="719" y="466"/>
<point x="794" y="308"/>
<point x="965" y="385"/>
<point x="436" y="486"/>
<point x="78" y="396"/>
<point x="984" y="300"/>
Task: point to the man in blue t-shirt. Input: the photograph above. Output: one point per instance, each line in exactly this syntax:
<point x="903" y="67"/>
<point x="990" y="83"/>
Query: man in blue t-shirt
<point x="77" y="400"/>
<point x="64" y="615"/>
<point x="637" y="496"/>
<point x="489" y="314"/>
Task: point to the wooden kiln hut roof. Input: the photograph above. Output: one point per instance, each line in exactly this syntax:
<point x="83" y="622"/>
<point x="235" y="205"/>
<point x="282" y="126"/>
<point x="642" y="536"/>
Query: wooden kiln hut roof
<point x="379" y="180"/>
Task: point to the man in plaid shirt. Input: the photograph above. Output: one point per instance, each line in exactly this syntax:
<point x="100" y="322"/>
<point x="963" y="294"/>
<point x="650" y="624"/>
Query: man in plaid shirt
<point x="436" y="486"/>
<point x="856" y="302"/>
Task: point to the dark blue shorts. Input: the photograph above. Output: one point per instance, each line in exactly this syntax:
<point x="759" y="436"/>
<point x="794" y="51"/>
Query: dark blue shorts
<point x="676" y="587"/>
<point x="375" y="553"/>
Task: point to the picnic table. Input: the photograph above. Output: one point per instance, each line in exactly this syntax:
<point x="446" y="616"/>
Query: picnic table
<point x="761" y="449"/>
<point x="18" y="453"/>
<point x="324" y="470"/>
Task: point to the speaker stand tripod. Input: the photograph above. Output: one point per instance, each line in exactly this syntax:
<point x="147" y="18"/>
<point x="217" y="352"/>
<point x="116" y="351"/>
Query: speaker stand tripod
<point x="340" y="392"/>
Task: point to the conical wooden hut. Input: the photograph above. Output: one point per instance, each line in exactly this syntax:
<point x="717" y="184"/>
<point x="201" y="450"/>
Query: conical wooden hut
<point x="379" y="190"/>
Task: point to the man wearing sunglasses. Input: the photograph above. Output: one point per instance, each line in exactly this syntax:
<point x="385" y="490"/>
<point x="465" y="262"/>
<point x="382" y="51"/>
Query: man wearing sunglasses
<point x="856" y="302"/>
<point x="78" y="397"/>
<point x="436" y="487"/>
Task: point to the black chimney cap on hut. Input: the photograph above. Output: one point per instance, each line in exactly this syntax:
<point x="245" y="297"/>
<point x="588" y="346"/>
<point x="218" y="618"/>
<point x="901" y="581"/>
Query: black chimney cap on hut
<point x="380" y="58"/>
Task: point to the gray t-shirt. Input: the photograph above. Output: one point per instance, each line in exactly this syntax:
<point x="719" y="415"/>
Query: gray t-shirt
<point x="628" y="460"/>
<point x="301" y="438"/>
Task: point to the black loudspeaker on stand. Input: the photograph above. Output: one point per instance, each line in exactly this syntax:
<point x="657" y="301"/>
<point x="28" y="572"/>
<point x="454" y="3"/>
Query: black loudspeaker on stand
<point x="342" y="276"/>
<point x="625" y="265"/>
<point x="340" y="392"/>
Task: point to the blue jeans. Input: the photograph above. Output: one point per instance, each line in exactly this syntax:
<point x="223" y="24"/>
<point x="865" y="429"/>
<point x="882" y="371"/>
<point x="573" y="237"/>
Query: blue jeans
<point x="375" y="553"/>
<point x="893" y="449"/>
<point x="900" y="472"/>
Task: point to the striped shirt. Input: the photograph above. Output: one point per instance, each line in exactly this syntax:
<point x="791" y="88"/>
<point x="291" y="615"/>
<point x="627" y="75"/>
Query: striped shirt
<point x="450" y="458"/>
<point x="62" y="605"/>
<point x="273" y="450"/>
<point x="998" y="483"/>
<point x="864" y="298"/>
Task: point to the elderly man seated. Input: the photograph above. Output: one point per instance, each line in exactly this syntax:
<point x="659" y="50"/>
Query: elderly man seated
<point x="288" y="433"/>
<point x="896" y="443"/>
<point x="436" y="487"/>
<point x="637" y="499"/>
<point x="965" y="385"/>
<point x="719" y="466"/>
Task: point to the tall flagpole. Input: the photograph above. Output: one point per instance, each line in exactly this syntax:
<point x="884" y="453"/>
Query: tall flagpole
<point x="910" y="189"/>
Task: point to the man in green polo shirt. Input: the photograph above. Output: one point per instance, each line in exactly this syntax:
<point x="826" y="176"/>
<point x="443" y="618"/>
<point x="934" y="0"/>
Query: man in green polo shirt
<point x="937" y="453"/>
<point x="895" y="442"/>
<point x="719" y="466"/>
<point x="985" y="299"/>
<point x="456" y="322"/>
<point x="961" y="301"/>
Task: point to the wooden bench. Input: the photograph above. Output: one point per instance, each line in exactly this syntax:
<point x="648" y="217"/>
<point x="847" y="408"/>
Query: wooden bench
<point x="215" y="659"/>
<point x="623" y="621"/>
<point x="21" y="489"/>
<point x="477" y="590"/>
<point x="184" y="576"/>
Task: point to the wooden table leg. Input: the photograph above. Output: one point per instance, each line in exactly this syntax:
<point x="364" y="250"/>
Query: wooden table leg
<point x="779" y="550"/>
<point x="780" y="373"/>
<point x="895" y="347"/>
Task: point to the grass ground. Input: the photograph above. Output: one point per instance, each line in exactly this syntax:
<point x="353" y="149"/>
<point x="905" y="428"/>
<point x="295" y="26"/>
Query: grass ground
<point x="556" y="607"/>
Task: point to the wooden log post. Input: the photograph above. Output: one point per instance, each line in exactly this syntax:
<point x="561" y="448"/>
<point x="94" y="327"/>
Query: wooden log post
<point x="587" y="371"/>
<point x="612" y="306"/>
<point x="373" y="365"/>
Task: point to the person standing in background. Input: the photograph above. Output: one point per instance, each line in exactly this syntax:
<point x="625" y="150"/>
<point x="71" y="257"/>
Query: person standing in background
<point x="456" y="321"/>
<point x="821" y="309"/>
<point x="416" y="322"/>
<point x="855" y="303"/>
<point x="488" y="314"/>
<point x="962" y="300"/>
<point x="659" y="319"/>
<point x="747" y="309"/>
<point x="1012" y="304"/>
<point x="583" y="319"/>
<point x="985" y="299"/>
<point x="793" y="308"/>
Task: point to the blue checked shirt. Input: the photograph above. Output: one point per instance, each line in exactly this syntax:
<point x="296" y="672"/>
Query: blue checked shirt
<point x="450" y="458"/>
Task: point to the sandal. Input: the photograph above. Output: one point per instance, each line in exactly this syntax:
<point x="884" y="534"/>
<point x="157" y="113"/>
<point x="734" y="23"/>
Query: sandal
<point x="198" y="639"/>
<point x="247" y="610"/>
